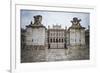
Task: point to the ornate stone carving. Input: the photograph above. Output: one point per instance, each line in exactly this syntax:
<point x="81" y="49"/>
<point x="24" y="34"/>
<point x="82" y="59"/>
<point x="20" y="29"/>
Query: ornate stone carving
<point x="76" y="21"/>
<point x="37" y="20"/>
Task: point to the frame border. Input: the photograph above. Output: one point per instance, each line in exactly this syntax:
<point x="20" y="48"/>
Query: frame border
<point x="11" y="10"/>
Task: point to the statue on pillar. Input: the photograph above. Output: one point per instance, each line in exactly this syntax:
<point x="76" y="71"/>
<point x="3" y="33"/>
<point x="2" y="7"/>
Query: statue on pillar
<point x="76" y="21"/>
<point x="37" y="20"/>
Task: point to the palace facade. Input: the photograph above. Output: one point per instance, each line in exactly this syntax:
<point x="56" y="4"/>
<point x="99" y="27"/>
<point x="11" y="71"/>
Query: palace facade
<point x="55" y="43"/>
<point x="55" y="37"/>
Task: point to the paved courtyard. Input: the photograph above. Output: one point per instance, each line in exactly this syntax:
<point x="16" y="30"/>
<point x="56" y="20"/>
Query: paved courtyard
<point x="43" y="55"/>
<point x="57" y="54"/>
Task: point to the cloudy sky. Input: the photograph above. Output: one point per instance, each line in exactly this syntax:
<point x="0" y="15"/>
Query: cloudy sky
<point x="52" y="18"/>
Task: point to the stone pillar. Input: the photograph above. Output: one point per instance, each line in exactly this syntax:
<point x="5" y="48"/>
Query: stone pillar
<point x="36" y="36"/>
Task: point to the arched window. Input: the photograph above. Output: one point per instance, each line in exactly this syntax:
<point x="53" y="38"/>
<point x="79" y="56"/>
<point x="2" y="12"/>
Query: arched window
<point x="62" y="40"/>
<point x="51" y="40"/>
<point x="56" y="40"/>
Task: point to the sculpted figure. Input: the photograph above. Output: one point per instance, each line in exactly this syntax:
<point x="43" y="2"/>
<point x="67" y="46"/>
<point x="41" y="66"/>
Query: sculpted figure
<point x="76" y="21"/>
<point x="37" y="19"/>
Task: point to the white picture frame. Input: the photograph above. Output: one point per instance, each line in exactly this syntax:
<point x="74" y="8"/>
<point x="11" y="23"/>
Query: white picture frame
<point x="17" y="67"/>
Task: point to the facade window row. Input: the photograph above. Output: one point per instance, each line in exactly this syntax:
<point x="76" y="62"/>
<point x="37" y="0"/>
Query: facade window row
<point x="56" y="40"/>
